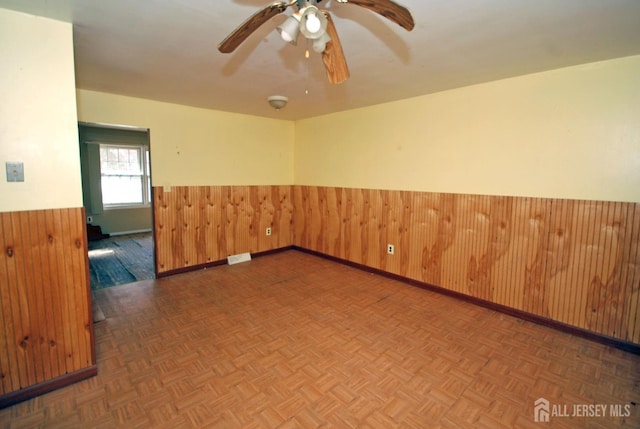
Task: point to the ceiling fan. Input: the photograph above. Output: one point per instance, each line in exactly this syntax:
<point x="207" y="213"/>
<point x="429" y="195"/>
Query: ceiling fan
<point x="317" y="26"/>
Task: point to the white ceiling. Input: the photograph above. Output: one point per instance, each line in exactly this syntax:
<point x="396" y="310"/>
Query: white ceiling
<point x="167" y="49"/>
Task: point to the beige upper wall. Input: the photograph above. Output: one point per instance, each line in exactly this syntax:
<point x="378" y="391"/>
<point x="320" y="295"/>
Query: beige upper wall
<point x="567" y="133"/>
<point x="38" y="124"/>
<point x="193" y="147"/>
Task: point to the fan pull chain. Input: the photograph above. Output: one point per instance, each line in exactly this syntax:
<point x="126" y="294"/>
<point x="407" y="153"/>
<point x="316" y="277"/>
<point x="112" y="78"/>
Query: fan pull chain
<point x="306" y="55"/>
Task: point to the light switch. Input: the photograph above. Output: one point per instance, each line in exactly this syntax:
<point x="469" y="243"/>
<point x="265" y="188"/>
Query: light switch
<point x="15" y="172"/>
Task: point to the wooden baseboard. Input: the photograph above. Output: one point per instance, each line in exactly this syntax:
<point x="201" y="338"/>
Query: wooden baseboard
<point x="47" y="386"/>
<point x="216" y="263"/>
<point x="188" y="269"/>
<point x="554" y="324"/>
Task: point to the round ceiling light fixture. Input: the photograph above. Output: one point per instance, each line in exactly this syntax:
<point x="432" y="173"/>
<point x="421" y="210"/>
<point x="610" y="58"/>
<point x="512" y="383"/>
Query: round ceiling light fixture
<point x="278" y="101"/>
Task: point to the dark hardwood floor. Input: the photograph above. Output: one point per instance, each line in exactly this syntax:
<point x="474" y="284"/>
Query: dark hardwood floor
<point x="120" y="259"/>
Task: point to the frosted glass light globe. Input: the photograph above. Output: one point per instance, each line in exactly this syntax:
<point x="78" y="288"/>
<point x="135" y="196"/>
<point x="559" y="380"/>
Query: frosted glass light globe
<point x="313" y="23"/>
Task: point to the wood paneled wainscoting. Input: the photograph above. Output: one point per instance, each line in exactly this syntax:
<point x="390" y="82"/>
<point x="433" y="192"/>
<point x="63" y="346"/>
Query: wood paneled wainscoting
<point x="573" y="263"/>
<point x="46" y="326"/>
<point x="197" y="226"/>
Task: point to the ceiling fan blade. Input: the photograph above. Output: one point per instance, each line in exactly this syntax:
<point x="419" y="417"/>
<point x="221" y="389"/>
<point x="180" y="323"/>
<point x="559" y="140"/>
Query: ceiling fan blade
<point x="233" y="40"/>
<point x="390" y="10"/>
<point x="333" y="56"/>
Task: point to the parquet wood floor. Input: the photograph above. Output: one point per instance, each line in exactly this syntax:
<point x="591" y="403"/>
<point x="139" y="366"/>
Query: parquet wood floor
<point x="291" y="340"/>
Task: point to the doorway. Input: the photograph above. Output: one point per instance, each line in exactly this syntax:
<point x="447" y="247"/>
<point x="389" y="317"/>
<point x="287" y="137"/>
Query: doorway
<point x="117" y="196"/>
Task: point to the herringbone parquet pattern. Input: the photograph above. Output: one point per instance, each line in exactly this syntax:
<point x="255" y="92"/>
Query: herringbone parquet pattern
<point x="294" y="341"/>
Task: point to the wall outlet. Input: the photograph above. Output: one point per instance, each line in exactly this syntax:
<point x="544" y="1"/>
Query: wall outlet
<point x="89" y="219"/>
<point x="268" y="231"/>
<point x="390" y="249"/>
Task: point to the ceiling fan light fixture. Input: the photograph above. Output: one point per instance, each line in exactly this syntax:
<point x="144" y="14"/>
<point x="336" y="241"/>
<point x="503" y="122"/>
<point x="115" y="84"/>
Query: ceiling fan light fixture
<point x="277" y="101"/>
<point x="289" y="29"/>
<point x="320" y="44"/>
<point x="313" y="24"/>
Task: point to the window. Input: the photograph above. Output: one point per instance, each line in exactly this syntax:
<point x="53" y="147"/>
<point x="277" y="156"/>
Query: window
<point x="125" y="176"/>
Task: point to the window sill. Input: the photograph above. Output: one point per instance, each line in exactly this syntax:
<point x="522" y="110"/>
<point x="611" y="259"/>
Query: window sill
<point x="126" y="207"/>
